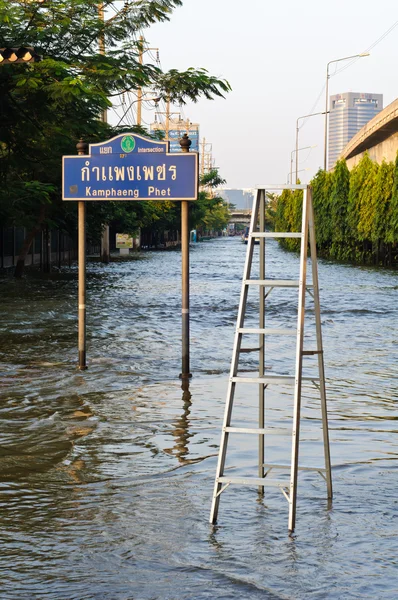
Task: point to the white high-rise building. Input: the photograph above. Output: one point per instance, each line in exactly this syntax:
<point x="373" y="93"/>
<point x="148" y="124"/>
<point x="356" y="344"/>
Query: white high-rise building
<point x="349" y="112"/>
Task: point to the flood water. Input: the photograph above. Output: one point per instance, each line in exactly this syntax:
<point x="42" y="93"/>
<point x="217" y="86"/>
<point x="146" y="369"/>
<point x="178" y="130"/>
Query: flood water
<point x="106" y="475"/>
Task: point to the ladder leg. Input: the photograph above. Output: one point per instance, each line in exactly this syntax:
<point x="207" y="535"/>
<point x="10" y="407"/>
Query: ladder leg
<point x="261" y="412"/>
<point x="299" y="366"/>
<point x="234" y="364"/>
<point x="222" y="454"/>
<point x="321" y="366"/>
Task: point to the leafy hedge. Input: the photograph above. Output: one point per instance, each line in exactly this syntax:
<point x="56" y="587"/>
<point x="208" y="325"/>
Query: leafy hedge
<point x="356" y="213"/>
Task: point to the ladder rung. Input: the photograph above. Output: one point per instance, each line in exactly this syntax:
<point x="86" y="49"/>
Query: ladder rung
<point x="271" y="379"/>
<point x="276" y="282"/>
<point x="276" y="234"/>
<point x="260" y="431"/>
<point x="311" y="352"/>
<point x="268" y="331"/>
<point x="288" y="467"/>
<point x="249" y="349"/>
<point x="253" y="481"/>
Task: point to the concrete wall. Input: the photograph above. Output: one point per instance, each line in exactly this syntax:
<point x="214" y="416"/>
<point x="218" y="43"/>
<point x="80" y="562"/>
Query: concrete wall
<point x="386" y="150"/>
<point x="379" y="138"/>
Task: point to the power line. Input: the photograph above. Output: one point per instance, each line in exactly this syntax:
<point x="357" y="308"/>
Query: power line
<point x="380" y="39"/>
<point x="349" y="64"/>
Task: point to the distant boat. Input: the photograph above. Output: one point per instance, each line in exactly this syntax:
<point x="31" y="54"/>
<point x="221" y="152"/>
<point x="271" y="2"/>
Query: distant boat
<point x="245" y="236"/>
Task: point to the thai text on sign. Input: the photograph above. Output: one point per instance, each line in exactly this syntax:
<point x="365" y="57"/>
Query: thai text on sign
<point x="130" y="167"/>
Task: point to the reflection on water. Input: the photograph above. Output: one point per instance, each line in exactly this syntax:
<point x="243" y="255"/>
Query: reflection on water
<point x="106" y="476"/>
<point x="181" y="427"/>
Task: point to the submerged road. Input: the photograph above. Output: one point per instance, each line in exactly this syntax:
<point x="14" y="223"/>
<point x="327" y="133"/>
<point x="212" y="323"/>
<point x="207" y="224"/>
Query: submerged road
<point x="106" y="475"/>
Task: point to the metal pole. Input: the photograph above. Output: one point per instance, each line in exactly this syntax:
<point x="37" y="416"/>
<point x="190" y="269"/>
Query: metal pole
<point x="105" y="247"/>
<point x="325" y="151"/>
<point x="185" y="143"/>
<point x="202" y="158"/>
<point x="168" y="119"/>
<point x="261" y="412"/>
<point x="361" y="55"/>
<point x="291" y="168"/>
<point x="139" y="90"/>
<point x="299" y="364"/>
<point x="297" y="135"/>
<point x="2" y="246"/>
<point x="82" y="149"/>
<point x="185" y="287"/>
<point x="319" y="351"/>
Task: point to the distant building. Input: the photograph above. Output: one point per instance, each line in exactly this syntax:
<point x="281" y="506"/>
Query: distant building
<point x="176" y="131"/>
<point x="349" y="112"/>
<point x="239" y="197"/>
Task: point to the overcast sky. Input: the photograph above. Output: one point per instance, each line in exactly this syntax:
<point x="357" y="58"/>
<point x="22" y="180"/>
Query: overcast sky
<point x="274" y="54"/>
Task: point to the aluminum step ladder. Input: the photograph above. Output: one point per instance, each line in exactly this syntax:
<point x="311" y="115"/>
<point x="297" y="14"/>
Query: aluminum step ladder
<point x="265" y="286"/>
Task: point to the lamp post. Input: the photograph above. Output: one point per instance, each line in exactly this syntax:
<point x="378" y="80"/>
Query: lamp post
<point x="327" y="97"/>
<point x="297" y="134"/>
<point x="291" y="159"/>
<point x="300" y="171"/>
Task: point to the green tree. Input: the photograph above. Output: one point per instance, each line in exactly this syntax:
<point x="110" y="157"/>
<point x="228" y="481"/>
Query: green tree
<point x="367" y="202"/>
<point x="338" y="208"/>
<point x="47" y="106"/>
<point x="357" y="180"/>
<point x="270" y="210"/>
<point x="382" y="197"/>
<point x="209" y="212"/>
<point x="392" y="220"/>
<point x="322" y="185"/>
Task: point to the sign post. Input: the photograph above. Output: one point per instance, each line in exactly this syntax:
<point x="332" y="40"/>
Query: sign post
<point x="131" y="167"/>
<point x="82" y="150"/>
<point x="185" y="143"/>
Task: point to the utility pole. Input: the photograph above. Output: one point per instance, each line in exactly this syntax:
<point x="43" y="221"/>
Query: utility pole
<point x="139" y="91"/>
<point x="82" y="148"/>
<point x="105" y="249"/>
<point x="204" y="162"/>
<point x="202" y="158"/>
<point x="168" y="115"/>
<point x="167" y="118"/>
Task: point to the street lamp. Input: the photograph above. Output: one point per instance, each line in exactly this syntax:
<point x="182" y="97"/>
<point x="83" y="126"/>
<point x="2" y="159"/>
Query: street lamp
<point x="297" y="134"/>
<point x="327" y="97"/>
<point x="291" y="158"/>
<point x="300" y="171"/>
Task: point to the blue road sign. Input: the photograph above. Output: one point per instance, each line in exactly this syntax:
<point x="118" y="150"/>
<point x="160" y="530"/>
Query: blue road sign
<point x="130" y="167"/>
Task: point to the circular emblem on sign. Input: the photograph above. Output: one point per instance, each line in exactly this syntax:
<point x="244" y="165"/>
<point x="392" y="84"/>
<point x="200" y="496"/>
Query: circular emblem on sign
<point x="128" y="143"/>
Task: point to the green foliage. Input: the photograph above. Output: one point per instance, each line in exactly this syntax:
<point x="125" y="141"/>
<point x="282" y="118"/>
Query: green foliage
<point x="382" y="197"/>
<point x="322" y="191"/>
<point x="338" y="207"/>
<point x="356" y="214"/>
<point x="366" y="204"/>
<point x="210" y="212"/>
<point x="190" y="84"/>
<point x="47" y="106"/>
<point x="270" y="210"/>
<point x="288" y="216"/>
<point x="392" y="212"/>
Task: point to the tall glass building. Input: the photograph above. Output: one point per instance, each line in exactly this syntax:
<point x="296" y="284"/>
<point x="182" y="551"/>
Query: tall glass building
<point x="348" y="114"/>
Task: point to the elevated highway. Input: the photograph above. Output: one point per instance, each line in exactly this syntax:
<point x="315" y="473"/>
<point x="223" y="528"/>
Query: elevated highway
<point x="241" y="215"/>
<point x="379" y="137"/>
